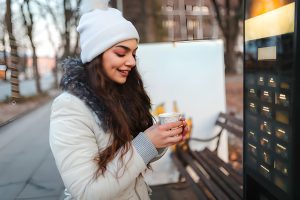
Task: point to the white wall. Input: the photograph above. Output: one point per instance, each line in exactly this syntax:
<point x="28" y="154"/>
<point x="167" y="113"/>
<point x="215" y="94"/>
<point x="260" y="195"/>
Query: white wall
<point x="192" y="74"/>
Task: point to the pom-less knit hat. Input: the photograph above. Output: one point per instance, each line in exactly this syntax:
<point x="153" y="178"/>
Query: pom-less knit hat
<point x="101" y="27"/>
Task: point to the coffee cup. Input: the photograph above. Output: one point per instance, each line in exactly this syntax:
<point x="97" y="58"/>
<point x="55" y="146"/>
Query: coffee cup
<point x="168" y="117"/>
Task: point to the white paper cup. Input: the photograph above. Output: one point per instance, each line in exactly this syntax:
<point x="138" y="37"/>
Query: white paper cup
<point x="168" y="117"/>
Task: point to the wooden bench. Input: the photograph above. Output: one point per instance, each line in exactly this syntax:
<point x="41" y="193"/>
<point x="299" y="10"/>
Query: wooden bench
<point x="208" y="175"/>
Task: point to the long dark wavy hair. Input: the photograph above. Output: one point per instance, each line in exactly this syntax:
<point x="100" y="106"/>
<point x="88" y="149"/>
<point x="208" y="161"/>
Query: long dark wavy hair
<point x="128" y="109"/>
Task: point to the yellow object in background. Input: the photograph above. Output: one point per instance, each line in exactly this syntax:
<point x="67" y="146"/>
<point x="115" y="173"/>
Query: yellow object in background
<point x="159" y="109"/>
<point x="175" y="108"/>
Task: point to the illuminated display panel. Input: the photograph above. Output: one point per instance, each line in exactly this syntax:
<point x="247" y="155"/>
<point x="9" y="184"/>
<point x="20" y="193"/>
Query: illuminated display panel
<point x="275" y="22"/>
<point x="258" y="7"/>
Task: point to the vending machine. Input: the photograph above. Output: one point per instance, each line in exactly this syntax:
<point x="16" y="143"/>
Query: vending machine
<point x="271" y="100"/>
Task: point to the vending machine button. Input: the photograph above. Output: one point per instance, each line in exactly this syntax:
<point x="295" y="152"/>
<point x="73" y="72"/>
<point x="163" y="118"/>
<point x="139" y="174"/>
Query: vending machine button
<point x="265" y="171"/>
<point x="281" y="134"/>
<point x="261" y="81"/>
<point x="272" y="82"/>
<point x="281" y="150"/>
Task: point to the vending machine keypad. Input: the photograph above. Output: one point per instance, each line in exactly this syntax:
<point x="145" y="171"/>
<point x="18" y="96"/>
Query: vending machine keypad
<point x="267" y="129"/>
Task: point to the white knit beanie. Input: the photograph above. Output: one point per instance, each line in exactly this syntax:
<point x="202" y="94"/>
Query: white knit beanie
<point x="101" y="27"/>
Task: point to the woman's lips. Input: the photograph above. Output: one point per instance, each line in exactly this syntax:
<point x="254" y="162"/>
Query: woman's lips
<point x="124" y="72"/>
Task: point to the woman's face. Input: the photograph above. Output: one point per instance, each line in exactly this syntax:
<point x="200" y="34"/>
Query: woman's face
<point x="119" y="60"/>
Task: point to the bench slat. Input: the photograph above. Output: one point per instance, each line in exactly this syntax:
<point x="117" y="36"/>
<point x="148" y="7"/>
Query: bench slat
<point x="229" y="181"/>
<point x="237" y="175"/>
<point x="182" y="170"/>
<point x="213" y="188"/>
<point x="216" y="176"/>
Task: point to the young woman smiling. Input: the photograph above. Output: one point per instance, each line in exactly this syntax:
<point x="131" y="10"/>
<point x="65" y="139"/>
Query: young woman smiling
<point x="102" y="133"/>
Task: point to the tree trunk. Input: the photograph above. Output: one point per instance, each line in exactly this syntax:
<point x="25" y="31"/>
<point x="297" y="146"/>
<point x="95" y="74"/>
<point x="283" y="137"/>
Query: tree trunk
<point x="230" y="58"/>
<point x="55" y="73"/>
<point x="14" y="80"/>
<point x="29" y="27"/>
<point x="36" y="70"/>
<point x="229" y="25"/>
<point x="5" y="56"/>
<point x="67" y="15"/>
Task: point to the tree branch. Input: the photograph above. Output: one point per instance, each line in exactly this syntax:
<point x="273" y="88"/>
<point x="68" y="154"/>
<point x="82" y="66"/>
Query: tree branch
<point x="218" y="15"/>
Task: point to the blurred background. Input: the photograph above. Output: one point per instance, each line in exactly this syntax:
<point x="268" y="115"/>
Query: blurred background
<point x="36" y="35"/>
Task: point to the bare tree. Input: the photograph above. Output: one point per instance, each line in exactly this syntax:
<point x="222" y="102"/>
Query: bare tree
<point x="15" y="90"/>
<point x="65" y="19"/>
<point x="3" y="44"/>
<point x="55" y="69"/>
<point x="72" y="17"/>
<point x="29" y="25"/>
<point x="229" y="13"/>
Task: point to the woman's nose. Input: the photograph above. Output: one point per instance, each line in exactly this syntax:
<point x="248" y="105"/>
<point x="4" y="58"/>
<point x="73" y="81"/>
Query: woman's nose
<point x="131" y="61"/>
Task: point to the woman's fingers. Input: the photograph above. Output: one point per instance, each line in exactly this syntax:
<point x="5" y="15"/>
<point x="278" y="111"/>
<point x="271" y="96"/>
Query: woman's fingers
<point x="174" y="140"/>
<point x="174" y="132"/>
<point x="171" y="125"/>
<point x="167" y="134"/>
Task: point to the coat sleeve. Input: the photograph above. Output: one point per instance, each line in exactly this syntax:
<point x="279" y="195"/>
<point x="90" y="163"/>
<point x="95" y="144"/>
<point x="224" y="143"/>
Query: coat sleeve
<point x="74" y="147"/>
<point x="161" y="153"/>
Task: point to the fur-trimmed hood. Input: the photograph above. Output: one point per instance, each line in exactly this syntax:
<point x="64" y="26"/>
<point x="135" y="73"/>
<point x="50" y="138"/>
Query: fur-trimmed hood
<point x="74" y="81"/>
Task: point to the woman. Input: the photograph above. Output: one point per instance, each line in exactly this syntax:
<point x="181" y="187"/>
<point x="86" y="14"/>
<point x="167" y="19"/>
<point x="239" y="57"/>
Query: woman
<point x="101" y="131"/>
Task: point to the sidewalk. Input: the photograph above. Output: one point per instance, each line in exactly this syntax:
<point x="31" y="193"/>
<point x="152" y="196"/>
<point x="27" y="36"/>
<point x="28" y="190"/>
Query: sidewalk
<point x="10" y="111"/>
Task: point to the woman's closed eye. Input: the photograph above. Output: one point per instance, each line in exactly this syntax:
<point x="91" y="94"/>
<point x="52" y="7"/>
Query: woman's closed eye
<point x="120" y="55"/>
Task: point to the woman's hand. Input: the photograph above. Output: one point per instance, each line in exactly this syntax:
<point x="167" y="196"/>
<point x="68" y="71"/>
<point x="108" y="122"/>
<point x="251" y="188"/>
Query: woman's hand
<point x="167" y="134"/>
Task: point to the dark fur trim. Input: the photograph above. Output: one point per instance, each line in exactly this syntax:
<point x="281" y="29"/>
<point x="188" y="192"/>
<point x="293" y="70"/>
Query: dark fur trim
<point x="74" y="81"/>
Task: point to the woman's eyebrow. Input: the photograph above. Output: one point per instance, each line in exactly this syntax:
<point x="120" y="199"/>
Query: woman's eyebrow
<point x="126" y="48"/>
